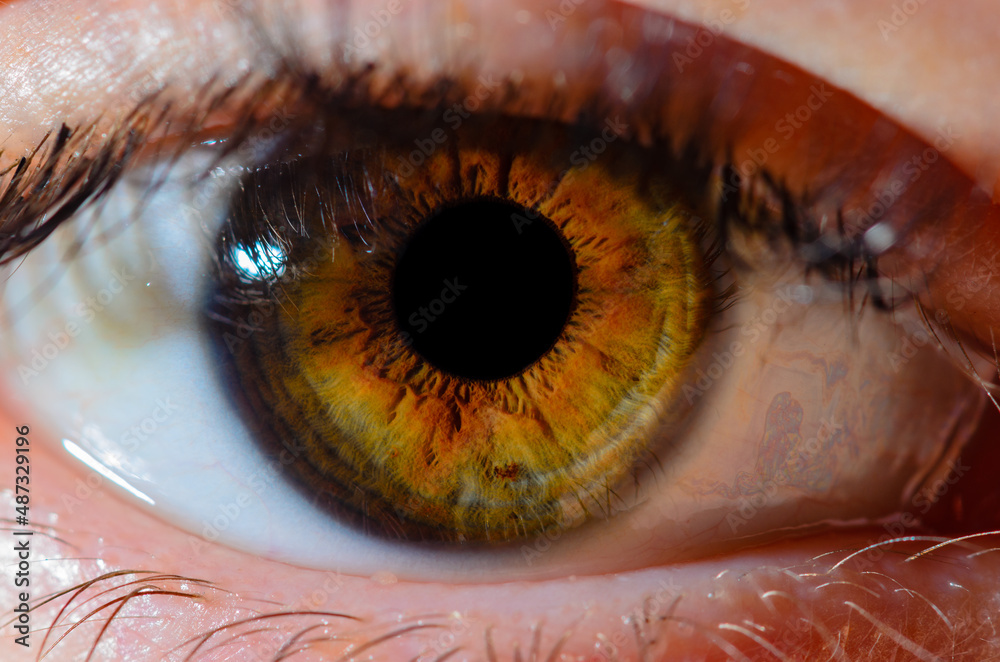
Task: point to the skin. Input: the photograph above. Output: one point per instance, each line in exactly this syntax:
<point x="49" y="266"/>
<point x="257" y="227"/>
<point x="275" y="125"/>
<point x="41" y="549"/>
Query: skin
<point x="599" y="615"/>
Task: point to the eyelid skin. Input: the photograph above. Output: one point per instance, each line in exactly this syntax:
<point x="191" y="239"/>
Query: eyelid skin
<point x="901" y="62"/>
<point x="55" y="81"/>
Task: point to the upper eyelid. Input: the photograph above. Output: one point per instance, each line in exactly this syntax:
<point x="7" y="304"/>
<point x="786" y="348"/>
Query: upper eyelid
<point x="270" y="94"/>
<point x="952" y="46"/>
<point x="146" y="49"/>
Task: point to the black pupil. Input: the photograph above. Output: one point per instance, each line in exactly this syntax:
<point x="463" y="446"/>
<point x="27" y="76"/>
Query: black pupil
<point x="483" y="289"/>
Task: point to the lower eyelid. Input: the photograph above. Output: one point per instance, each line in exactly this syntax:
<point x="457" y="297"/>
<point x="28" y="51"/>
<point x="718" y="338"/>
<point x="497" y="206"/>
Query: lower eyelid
<point x="586" y="614"/>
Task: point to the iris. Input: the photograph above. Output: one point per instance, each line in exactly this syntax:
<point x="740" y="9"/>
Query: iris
<point x="478" y="349"/>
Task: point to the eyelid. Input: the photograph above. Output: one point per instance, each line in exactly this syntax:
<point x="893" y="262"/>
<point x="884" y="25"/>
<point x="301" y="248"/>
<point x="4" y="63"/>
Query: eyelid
<point x="870" y="68"/>
<point x="734" y="103"/>
<point x="184" y="43"/>
<point x="885" y="48"/>
<point x="89" y="62"/>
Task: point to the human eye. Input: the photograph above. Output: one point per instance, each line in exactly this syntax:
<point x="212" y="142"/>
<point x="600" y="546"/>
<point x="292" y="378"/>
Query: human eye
<point x="724" y="597"/>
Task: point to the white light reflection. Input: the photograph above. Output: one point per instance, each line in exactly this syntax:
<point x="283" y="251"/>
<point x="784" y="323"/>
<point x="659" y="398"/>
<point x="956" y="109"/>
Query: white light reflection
<point x="94" y="464"/>
<point x="880" y="237"/>
<point x="262" y="262"/>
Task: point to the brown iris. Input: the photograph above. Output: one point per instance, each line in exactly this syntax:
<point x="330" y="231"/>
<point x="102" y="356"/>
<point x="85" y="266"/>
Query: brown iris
<point x="474" y="347"/>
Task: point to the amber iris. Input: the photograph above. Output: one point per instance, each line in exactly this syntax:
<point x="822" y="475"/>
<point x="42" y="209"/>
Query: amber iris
<point x="473" y="348"/>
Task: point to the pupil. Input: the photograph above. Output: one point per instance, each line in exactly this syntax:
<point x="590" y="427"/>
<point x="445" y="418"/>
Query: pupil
<point x="483" y="290"/>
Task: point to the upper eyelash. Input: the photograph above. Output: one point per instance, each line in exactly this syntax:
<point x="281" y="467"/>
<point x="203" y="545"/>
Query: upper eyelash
<point x="849" y="262"/>
<point x="58" y="179"/>
<point x="48" y="188"/>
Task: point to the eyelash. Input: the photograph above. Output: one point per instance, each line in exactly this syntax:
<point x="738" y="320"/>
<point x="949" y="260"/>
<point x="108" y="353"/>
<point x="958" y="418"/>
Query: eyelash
<point x="70" y="169"/>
